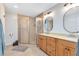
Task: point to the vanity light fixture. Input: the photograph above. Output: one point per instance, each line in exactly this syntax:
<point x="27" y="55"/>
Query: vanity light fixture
<point x="49" y="12"/>
<point x="67" y="4"/>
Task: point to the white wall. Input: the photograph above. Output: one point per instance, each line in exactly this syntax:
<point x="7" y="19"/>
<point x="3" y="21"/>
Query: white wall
<point x="57" y="14"/>
<point x="9" y="25"/>
<point x="11" y="28"/>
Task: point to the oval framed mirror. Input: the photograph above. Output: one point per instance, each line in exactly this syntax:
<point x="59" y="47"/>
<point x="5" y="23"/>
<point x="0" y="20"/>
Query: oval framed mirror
<point x="71" y="20"/>
<point x="48" y="24"/>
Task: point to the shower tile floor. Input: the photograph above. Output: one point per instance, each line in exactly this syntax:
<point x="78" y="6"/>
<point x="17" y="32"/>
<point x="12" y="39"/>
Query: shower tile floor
<point x="32" y="50"/>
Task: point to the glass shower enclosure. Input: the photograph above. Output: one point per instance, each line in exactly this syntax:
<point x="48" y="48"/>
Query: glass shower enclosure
<point x="1" y="40"/>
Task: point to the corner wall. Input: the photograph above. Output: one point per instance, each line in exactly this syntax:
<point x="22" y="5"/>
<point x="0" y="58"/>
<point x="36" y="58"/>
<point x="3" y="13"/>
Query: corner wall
<point x="11" y="28"/>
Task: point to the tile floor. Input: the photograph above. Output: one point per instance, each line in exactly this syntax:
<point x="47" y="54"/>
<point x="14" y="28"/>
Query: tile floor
<point x="32" y="50"/>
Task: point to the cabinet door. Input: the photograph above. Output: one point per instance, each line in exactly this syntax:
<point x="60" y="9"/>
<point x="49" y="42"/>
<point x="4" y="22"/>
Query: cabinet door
<point x="64" y="49"/>
<point x="59" y="48"/>
<point x="42" y="42"/>
<point x="69" y="48"/>
<point x="68" y="51"/>
<point x="51" y="41"/>
<point x="51" y="46"/>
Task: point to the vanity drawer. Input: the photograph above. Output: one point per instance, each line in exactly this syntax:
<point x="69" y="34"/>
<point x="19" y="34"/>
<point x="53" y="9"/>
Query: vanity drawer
<point x="69" y="43"/>
<point x="50" y="41"/>
<point x="42" y="42"/>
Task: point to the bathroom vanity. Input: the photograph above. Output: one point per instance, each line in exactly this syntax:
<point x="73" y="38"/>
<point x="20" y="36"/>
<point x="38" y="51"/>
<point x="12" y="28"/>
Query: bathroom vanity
<point x="57" y="44"/>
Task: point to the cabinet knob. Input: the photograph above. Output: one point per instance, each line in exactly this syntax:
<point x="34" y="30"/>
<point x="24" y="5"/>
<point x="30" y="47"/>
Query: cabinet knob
<point x="65" y="48"/>
<point x="68" y="49"/>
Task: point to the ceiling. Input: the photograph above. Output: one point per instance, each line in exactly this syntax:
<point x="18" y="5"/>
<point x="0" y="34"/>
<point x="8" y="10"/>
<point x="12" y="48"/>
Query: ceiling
<point x="30" y="9"/>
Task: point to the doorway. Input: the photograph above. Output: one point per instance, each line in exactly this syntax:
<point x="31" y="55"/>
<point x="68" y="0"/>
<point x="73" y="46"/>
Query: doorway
<point x="26" y="30"/>
<point x="23" y="27"/>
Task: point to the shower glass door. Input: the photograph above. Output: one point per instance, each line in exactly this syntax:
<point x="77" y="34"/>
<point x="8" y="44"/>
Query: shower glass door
<point x="1" y="40"/>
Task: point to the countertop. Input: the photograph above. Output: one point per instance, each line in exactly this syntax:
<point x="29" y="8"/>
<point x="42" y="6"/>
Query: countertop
<point x="61" y="36"/>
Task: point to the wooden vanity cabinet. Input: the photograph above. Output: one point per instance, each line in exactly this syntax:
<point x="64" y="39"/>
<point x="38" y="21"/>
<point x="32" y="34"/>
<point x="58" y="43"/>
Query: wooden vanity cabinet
<point x="65" y="48"/>
<point x="56" y="47"/>
<point x="51" y="48"/>
<point x="42" y="43"/>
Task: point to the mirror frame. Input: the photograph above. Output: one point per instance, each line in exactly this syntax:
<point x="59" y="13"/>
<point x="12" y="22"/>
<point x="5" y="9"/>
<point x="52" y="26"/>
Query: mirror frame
<point x="64" y="22"/>
<point x="47" y="26"/>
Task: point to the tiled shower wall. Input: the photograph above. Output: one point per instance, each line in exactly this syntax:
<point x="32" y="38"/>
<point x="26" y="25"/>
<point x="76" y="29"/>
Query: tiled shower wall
<point x="32" y="31"/>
